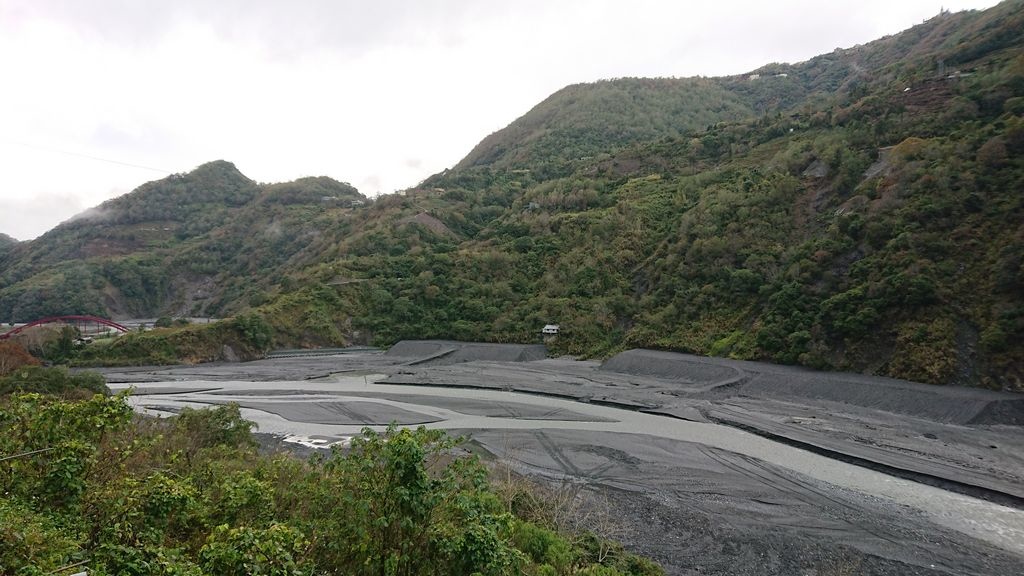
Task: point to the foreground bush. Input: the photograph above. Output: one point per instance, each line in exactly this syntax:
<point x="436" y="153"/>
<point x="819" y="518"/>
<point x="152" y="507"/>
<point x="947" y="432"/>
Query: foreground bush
<point x="89" y="483"/>
<point x="59" y="381"/>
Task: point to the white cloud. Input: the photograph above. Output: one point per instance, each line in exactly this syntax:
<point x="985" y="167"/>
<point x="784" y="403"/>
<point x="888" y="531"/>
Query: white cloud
<point x="379" y="94"/>
<point x="19" y="217"/>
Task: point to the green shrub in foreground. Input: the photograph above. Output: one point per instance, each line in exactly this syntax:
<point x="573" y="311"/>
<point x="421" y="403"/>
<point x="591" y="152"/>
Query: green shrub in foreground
<point x="190" y="495"/>
<point x="52" y="381"/>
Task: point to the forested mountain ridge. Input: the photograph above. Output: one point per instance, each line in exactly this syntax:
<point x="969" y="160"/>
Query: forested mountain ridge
<point x="583" y="120"/>
<point x="173" y="209"/>
<point x="857" y="211"/>
<point x="6" y="242"/>
<point x="165" y="248"/>
<point x="871" y="224"/>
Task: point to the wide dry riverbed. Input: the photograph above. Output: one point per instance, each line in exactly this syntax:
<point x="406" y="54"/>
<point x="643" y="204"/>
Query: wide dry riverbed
<point x="749" y="491"/>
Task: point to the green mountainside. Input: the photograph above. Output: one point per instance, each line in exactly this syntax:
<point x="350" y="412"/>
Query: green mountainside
<point x="858" y="211"/>
<point x="181" y="245"/>
<point x="585" y="120"/>
<point x="6" y="243"/>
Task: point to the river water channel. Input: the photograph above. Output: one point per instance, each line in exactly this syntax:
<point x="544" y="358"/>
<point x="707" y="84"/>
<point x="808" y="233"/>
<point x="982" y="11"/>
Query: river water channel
<point x="323" y="411"/>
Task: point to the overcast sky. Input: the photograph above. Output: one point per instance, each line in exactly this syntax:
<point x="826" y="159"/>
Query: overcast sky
<point x="100" y="96"/>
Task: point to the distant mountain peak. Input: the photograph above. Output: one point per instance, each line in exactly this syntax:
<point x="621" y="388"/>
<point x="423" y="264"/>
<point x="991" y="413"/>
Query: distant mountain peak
<point x="217" y="167"/>
<point x="309" y="190"/>
<point x="178" y="197"/>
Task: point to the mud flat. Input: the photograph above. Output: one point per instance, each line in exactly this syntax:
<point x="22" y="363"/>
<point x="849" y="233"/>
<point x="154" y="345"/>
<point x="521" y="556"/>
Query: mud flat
<point x="693" y="469"/>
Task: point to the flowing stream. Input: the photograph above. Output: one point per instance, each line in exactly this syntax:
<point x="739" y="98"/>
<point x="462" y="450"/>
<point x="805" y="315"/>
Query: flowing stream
<point x="296" y="410"/>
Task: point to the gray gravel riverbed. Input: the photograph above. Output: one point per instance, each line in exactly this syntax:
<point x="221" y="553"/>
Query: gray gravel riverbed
<point x="699" y="496"/>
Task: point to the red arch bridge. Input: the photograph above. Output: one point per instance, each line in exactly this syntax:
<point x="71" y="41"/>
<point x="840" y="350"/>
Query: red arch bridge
<point x="86" y="325"/>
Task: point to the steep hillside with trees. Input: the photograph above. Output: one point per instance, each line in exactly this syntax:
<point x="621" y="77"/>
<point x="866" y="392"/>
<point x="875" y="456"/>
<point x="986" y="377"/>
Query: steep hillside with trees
<point x="873" y="225"/>
<point x="898" y="259"/>
<point x="174" y="246"/>
<point x="6" y="244"/>
<point x="585" y="120"/>
<point x="857" y="211"/>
